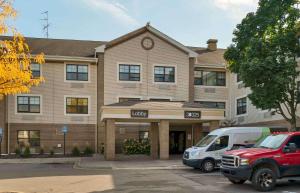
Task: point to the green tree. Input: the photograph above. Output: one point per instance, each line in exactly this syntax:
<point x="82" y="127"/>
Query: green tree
<point x="264" y="52"/>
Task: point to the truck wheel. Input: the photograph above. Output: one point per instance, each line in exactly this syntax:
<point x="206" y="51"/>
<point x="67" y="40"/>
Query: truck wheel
<point x="236" y="181"/>
<point x="264" y="179"/>
<point x="208" y="166"/>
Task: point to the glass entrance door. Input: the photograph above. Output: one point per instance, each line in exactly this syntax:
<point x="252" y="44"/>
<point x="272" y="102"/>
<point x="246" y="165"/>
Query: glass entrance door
<point x="177" y="142"/>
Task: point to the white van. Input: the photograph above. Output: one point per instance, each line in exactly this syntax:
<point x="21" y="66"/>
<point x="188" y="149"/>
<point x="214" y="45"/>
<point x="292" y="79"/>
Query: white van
<point x="206" y="154"/>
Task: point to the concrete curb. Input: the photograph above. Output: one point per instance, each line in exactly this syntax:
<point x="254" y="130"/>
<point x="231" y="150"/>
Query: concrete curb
<point x="40" y="161"/>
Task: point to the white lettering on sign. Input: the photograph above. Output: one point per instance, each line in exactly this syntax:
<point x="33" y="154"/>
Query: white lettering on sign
<point x="192" y="114"/>
<point x="139" y="113"/>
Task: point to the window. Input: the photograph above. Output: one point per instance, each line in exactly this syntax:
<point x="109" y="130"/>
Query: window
<point x="28" y="104"/>
<point x="35" y="70"/>
<point x="220" y="143"/>
<point x="211" y="104"/>
<point x="164" y="74"/>
<point x="76" y="105"/>
<point x="123" y="99"/>
<point x="28" y="138"/>
<point x="77" y="72"/>
<point x="159" y="99"/>
<point x="143" y="135"/>
<point x="128" y="72"/>
<point x="209" y="78"/>
<point x="295" y="140"/>
<point x="241" y="106"/>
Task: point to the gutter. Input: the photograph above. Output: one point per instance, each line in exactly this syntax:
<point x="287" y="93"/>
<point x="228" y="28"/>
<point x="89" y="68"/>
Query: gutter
<point x="71" y="58"/>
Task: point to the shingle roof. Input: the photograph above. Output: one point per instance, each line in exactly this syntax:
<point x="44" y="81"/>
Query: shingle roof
<point x="61" y="47"/>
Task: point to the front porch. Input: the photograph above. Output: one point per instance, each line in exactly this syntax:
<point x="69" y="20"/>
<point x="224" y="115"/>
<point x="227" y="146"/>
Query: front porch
<point x="161" y="116"/>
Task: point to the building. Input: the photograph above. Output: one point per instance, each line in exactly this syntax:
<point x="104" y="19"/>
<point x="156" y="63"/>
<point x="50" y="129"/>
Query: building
<point x="143" y="84"/>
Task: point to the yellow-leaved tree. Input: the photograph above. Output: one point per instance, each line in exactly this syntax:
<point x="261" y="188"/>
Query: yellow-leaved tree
<point x="15" y="58"/>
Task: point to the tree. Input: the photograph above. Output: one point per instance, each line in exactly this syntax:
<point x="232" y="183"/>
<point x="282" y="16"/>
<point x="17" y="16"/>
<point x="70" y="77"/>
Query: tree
<point x="15" y="57"/>
<point x="264" y="51"/>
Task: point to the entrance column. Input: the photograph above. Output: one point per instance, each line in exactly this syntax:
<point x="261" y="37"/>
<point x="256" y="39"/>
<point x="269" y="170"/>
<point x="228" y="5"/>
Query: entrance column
<point x="164" y="139"/>
<point x="154" y="140"/>
<point x="214" y="125"/>
<point x="110" y="139"/>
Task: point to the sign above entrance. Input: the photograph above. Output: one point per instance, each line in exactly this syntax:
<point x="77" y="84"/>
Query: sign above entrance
<point x="139" y="113"/>
<point x="192" y="114"/>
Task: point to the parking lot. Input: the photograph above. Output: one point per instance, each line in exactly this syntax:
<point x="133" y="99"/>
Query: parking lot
<point x="63" y="178"/>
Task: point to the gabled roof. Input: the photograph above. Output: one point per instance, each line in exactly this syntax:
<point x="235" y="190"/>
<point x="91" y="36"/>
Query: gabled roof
<point x="61" y="47"/>
<point x="148" y="28"/>
<point x="209" y="57"/>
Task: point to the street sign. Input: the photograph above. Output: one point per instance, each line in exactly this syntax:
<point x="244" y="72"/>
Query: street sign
<point x="64" y="129"/>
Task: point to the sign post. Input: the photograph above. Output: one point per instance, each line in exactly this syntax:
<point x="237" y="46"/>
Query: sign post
<point x="1" y="135"/>
<point x="65" y="131"/>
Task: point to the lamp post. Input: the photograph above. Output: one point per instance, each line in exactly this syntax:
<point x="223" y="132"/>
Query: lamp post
<point x="65" y="131"/>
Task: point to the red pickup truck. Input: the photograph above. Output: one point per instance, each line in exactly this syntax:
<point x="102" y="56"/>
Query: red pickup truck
<point x="275" y="157"/>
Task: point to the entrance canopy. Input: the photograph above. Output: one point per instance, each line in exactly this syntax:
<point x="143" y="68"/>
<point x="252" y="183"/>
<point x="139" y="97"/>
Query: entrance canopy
<point x="151" y="111"/>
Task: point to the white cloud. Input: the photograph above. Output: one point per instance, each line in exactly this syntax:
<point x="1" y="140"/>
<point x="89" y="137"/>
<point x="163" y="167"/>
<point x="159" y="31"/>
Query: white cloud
<point x="115" y="9"/>
<point x="237" y="9"/>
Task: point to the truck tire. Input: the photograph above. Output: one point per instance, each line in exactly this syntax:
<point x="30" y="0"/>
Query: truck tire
<point x="208" y="166"/>
<point x="264" y="179"/>
<point x="237" y="181"/>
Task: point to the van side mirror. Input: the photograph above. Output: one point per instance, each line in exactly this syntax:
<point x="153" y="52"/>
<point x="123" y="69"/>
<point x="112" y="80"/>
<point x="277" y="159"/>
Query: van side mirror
<point x="291" y="148"/>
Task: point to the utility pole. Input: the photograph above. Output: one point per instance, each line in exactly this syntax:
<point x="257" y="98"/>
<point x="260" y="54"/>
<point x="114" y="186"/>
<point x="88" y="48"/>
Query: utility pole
<point x="46" y="25"/>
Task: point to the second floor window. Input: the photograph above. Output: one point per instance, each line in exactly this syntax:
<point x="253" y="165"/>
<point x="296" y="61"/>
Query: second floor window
<point x="164" y="74"/>
<point x="76" y="105"/>
<point x="209" y="78"/>
<point x="129" y="72"/>
<point x="35" y="70"/>
<point x="28" y="104"/>
<point x="212" y="104"/>
<point x="241" y="106"/>
<point x="77" y="72"/>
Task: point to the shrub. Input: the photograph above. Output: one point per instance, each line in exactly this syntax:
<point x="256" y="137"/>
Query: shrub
<point x="51" y="152"/>
<point x="18" y="151"/>
<point x="75" y="151"/>
<point x="133" y="146"/>
<point x="26" y="152"/>
<point x="88" y="151"/>
<point x="42" y="151"/>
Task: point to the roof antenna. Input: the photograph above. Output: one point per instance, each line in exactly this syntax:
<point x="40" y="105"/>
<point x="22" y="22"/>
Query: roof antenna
<point x="148" y="24"/>
<point x="46" y="24"/>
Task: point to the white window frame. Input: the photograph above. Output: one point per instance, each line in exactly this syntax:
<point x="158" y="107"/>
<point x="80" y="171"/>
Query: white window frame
<point x="41" y="66"/>
<point x="77" y="96"/>
<point x="165" y="65"/>
<point x="33" y="95"/>
<point x="77" y="81"/>
<point x="129" y="63"/>
<point x="213" y="70"/>
<point x="247" y="106"/>
<point x="128" y="96"/>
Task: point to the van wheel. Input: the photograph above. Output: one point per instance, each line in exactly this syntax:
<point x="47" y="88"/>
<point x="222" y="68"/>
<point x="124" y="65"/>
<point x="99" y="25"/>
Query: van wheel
<point x="208" y="166"/>
<point x="236" y="181"/>
<point x="264" y="179"/>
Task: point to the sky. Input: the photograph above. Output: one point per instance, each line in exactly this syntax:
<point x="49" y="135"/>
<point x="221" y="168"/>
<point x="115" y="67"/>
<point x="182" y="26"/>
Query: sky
<point x="191" y="22"/>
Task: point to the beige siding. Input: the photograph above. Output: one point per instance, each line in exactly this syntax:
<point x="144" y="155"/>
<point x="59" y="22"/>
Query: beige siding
<point x="132" y="52"/>
<point x="52" y="93"/>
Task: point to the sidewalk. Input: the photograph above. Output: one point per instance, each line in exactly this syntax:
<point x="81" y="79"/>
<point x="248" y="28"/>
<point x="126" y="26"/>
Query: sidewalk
<point x="132" y="162"/>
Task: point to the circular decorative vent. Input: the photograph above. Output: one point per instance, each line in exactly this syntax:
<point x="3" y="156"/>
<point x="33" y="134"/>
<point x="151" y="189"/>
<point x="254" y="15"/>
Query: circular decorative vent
<point x="147" y="43"/>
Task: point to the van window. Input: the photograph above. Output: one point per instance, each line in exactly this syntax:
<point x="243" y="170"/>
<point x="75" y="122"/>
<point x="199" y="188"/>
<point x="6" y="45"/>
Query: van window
<point x="220" y="143"/>
<point x="206" y="141"/>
